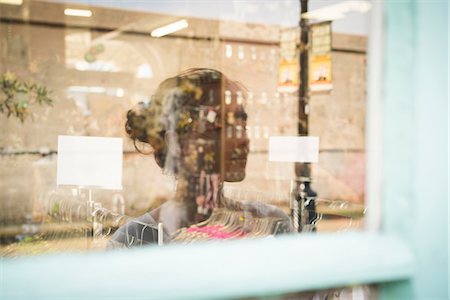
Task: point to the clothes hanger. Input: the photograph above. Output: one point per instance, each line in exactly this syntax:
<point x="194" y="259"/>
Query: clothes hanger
<point x="283" y="226"/>
<point x="145" y="226"/>
<point x="230" y="221"/>
<point x="187" y="235"/>
<point x="238" y="223"/>
<point x="102" y="216"/>
<point x="78" y="212"/>
<point x="128" y="238"/>
<point x="217" y="212"/>
<point x="63" y="211"/>
<point x="252" y="227"/>
<point x="264" y="228"/>
<point x="268" y="225"/>
<point x="221" y="223"/>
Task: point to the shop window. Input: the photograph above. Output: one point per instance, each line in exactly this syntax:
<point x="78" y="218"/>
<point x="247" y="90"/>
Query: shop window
<point x="210" y="127"/>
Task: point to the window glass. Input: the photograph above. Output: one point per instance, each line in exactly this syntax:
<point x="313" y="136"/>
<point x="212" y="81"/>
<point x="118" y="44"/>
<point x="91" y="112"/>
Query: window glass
<point x="220" y="135"/>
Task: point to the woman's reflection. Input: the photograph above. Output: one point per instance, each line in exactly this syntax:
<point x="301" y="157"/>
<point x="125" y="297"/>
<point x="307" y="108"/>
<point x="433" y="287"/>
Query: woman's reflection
<point x="195" y="124"/>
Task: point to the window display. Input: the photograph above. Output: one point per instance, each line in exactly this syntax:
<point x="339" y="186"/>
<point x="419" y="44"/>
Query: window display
<point x="196" y="107"/>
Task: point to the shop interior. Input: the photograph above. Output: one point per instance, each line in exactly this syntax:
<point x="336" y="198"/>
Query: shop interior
<point x="98" y="67"/>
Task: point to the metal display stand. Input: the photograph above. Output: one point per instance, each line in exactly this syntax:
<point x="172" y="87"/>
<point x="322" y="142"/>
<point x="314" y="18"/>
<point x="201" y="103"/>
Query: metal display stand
<point x="302" y="205"/>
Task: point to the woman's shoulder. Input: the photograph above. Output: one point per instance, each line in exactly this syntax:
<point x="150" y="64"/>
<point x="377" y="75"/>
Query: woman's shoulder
<point x="136" y="232"/>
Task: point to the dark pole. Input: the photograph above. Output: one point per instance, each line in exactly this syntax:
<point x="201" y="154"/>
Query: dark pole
<point x="302" y="169"/>
<point x="306" y="195"/>
<point x="303" y="88"/>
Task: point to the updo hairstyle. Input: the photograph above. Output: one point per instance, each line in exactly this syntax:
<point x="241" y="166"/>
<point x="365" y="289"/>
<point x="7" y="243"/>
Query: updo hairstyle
<point x="179" y="105"/>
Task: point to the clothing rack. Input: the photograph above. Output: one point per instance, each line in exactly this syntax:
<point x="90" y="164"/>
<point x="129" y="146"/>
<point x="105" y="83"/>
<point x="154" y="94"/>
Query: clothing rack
<point x="324" y="207"/>
<point x="91" y="221"/>
<point x="227" y="223"/>
<point x="41" y="152"/>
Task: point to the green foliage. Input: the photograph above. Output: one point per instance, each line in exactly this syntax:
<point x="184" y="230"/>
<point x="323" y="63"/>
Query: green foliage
<point x="55" y="209"/>
<point x="16" y="97"/>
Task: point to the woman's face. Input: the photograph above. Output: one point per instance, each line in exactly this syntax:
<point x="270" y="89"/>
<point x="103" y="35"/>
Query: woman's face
<point x="207" y="145"/>
<point x="236" y="142"/>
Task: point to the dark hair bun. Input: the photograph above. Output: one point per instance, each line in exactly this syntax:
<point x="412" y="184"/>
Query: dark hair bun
<point x="175" y="108"/>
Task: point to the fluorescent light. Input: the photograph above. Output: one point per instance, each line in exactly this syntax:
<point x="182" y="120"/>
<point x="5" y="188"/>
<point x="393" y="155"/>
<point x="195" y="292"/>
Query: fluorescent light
<point x="144" y="71"/>
<point x="12" y="2"/>
<point x="120" y="92"/>
<point x="77" y="12"/>
<point x="338" y="11"/>
<point x="87" y="89"/>
<point x="99" y="65"/>
<point x="76" y="89"/>
<point x="168" y="29"/>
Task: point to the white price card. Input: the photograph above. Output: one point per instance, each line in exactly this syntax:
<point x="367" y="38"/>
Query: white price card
<point x="90" y="162"/>
<point x="303" y="149"/>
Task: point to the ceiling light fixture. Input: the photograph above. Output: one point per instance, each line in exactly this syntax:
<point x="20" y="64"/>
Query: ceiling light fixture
<point x="12" y="2"/>
<point x="78" y="12"/>
<point x="170" y="28"/>
<point x="338" y="11"/>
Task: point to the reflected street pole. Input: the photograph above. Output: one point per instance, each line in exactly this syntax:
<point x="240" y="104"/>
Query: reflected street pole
<point x="305" y="206"/>
<point x="302" y="169"/>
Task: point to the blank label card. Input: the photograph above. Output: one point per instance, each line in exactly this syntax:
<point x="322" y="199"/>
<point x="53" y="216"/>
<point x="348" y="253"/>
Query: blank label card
<point x="90" y="162"/>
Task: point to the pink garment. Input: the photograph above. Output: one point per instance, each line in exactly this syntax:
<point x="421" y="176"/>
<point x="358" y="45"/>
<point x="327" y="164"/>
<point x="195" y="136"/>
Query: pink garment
<point x="217" y="232"/>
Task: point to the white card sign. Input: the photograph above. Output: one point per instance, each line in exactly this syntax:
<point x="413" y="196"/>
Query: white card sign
<point x="90" y="162"/>
<point x="294" y="149"/>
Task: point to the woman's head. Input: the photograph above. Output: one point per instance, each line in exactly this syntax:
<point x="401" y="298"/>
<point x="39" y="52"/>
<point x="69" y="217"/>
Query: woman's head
<point x="193" y="122"/>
